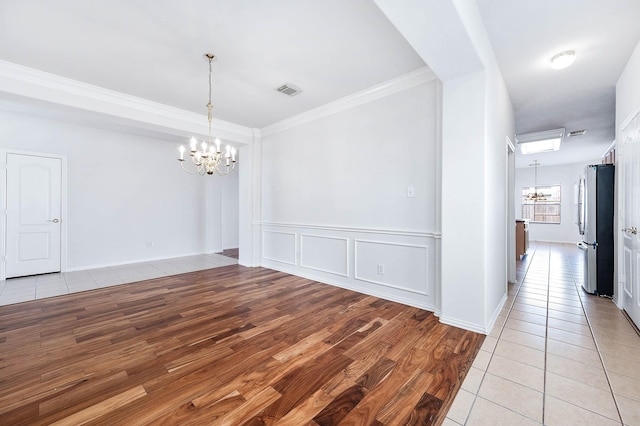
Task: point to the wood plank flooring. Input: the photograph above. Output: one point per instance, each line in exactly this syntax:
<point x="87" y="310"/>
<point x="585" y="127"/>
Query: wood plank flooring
<point x="233" y="253"/>
<point x="229" y="346"/>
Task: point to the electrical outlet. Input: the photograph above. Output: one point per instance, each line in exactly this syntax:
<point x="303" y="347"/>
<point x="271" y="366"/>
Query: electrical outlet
<point x="380" y="268"/>
<point x="149" y="244"/>
<point x="411" y="192"/>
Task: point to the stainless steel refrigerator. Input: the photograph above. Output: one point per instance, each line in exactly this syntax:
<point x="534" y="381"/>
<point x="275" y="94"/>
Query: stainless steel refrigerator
<point x="595" y="223"/>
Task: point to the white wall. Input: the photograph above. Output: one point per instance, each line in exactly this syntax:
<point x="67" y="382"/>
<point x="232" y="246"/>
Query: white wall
<point x="627" y="106"/>
<point x="566" y="176"/>
<point x="230" y="203"/>
<point x="628" y="90"/>
<point x="334" y="197"/>
<point x="123" y="191"/>
<point x="464" y="265"/>
<point x="476" y="117"/>
<point x="500" y="124"/>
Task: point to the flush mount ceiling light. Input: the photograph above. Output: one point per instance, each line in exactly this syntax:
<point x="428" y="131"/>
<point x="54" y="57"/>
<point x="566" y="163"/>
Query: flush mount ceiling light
<point x="546" y="141"/>
<point x="563" y="59"/>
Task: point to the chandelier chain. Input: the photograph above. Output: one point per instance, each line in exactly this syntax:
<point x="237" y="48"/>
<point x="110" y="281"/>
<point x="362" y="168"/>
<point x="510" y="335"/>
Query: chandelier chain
<point x="210" y="60"/>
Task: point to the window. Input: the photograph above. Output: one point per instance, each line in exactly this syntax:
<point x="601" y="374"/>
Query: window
<point x="542" y="211"/>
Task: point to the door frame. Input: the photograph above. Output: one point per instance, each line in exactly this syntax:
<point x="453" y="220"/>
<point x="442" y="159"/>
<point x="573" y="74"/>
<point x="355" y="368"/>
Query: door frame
<point x="619" y="206"/>
<point x="511" y="212"/>
<point x="3" y="202"/>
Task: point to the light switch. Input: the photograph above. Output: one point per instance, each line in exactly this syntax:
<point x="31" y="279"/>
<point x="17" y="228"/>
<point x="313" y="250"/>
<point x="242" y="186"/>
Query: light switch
<point x="411" y="192"/>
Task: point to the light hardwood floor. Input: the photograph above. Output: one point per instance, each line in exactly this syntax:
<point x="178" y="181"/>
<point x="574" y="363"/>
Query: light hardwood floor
<point x="230" y="345"/>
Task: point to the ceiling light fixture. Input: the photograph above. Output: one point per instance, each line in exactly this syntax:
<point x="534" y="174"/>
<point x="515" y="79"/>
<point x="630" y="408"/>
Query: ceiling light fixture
<point x="207" y="158"/>
<point x="546" y="141"/>
<point x="535" y="195"/>
<point x="563" y="59"/>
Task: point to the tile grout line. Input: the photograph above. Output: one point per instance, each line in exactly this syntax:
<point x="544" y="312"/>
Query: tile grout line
<point x="484" y="373"/>
<point x="595" y="341"/>
<point x="546" y="336"/>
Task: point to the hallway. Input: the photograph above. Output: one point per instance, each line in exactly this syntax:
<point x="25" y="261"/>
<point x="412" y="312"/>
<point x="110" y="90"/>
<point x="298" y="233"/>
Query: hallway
<point x="556" y="356"/>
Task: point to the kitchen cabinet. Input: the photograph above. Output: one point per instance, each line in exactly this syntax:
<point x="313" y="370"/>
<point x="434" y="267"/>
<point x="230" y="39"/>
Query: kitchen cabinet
<point x="522" y="237"/>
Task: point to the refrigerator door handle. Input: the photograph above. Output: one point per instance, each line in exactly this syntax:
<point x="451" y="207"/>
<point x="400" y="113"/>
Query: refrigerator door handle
<point x="585" y="245"/>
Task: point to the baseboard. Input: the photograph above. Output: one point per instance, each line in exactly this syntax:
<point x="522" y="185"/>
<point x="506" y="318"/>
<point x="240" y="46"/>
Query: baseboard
<point x="463" y="324"/>
<point x="131" y="262"/>
<point x="369" y="292"/>
<point x="496" y="312"/>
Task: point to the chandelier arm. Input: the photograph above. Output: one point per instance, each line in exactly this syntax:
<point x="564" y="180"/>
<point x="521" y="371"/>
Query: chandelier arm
<point x="198" y="171"/>
<point x="228" y="169"/>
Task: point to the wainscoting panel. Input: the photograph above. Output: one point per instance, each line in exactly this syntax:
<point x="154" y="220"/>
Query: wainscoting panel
<point x="400" y="266"/>
<point x="279" y="246"/>
<point x="394" y="265"/>
<point x="325" y="254"/>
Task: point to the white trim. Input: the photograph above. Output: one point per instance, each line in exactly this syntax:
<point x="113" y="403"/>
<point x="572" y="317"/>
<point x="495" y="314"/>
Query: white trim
<point x="385" y="284"/>
<point x="36" y="84"/>
<point x="350" y="229"/>
<point x="632" y="115"/>
<point x="407" y="81"/>
<point x="361" y="290"/>
<point x="135" y="262"/>
<point x="3" y="223"/>
<point x="496" y="312"/>
<point x="463" y="324"/>
<point x="295" y="247"/>
<point x="510" y="145"/>
<point x="346" y="240"/>
<point x="609" y="149"/>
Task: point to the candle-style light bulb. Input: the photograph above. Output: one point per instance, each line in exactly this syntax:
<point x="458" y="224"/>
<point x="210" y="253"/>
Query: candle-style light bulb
<point x="217" y="145"/>
<point x="204" y="146"/>
<point x="193" y="144"/>
<point x="233" y="154"/>
<point x="181" y="149"/>
<point x="228" y="151"/>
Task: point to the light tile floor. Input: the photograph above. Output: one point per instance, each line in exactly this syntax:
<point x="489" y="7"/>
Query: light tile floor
<point x="556" y="356"/>
<point x="15" y="290"/>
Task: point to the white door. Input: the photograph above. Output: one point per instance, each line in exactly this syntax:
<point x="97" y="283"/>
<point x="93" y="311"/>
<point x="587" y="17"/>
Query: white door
<point x="33" y="214"/>
<point x="629" y="261"/>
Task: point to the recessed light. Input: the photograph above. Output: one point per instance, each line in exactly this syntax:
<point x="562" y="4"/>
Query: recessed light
<point x="563" y="59"/>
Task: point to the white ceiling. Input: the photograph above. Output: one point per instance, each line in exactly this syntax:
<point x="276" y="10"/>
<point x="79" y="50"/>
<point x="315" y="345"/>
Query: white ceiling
<point x="153" y="49"/>
<point x="330" y="48"/>
<point x="526" y="33"/>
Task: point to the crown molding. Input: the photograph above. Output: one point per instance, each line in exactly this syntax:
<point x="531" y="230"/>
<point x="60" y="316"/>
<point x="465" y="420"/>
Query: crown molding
<point x="30" y="83"/>
<point x="406" y="81"/>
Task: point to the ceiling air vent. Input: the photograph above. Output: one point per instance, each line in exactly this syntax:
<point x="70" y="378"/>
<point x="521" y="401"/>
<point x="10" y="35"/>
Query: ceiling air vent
<point x="289" y="89"/>
<point x="577" y="133"/>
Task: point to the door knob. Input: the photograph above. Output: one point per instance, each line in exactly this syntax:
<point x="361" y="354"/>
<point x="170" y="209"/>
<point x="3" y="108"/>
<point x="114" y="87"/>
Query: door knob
<point x="633" y="230"/>
<point x="53" y="220"/>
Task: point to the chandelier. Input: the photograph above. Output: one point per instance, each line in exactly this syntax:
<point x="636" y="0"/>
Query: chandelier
<point x="206" y="157"/>
<point x="536" y="196"/>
